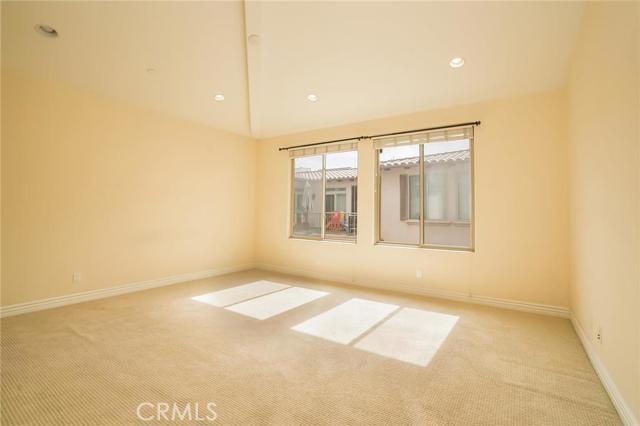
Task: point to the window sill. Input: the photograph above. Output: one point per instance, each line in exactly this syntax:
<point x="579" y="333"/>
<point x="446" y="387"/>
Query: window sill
<point x="439" y="222"/>
<point x="426" y="246"/>
<point x="350" y="241"/>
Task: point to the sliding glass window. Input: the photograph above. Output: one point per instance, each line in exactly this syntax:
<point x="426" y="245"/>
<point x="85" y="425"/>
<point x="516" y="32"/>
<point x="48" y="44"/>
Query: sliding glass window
<point x="325" y="193"/>
<point x="307" y="205"/>
<point x="399" y="194"/>
<point x="425" y="189"/>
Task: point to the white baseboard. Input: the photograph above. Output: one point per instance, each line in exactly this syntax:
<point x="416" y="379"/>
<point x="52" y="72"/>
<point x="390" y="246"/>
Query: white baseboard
<point x="53" y="302"/>
<point x="627" y="416"/>
<point x="37" y="305"/>
<point x="557" y="311"/>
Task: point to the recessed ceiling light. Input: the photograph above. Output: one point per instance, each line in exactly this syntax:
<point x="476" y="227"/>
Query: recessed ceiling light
<point x="47" y="31"/>
<point x="219" y="98"/>
<point x="456" y="62"/>
<point x="312" y="97"/>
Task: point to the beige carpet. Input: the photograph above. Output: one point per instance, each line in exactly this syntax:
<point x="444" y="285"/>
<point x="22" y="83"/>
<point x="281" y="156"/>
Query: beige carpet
<point x="94" y="363"/>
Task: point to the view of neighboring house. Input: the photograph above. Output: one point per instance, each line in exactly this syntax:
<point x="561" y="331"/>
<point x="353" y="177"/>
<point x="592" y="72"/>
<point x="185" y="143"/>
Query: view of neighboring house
<point x="447" y="207"/>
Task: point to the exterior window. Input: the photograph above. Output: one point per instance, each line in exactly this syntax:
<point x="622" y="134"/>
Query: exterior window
<point x="354" y="198"/>
<point x="399" y="172"/>
<point x="443" y="163"/>
<point x="464" y="198"/>
<point x="435" y="201"/>
<point x="322" y="185"/>
<point x="437" y="213"/>
<point x="307" y="208"/>
<point x="335" y="200"/>
<point x="414" y="197"/>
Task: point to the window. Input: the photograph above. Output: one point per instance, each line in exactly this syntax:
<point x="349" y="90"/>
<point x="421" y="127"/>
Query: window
<point x="335" y="200"/>
<point x="414" y="197"/>
<point x="464" y="198"/>
<point x="354" y="198"/>
<point x="398" y="173"/>
<point x="435" y="200"/>
<point x="307" y="209"/>
<point x="322" y="185"/>
<point x="425" y="189"/>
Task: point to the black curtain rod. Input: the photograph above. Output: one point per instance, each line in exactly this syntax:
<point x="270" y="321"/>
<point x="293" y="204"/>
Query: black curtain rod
<point x="448" y="126"/>
<point x="286" y="148"/>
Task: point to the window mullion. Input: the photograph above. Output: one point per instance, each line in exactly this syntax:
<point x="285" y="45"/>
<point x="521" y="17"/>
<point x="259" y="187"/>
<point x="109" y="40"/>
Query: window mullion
<point x="292" y="200"/>
<point x="377" y="193"/>
<point x="422" y="189"/>
<point x="324" y="195"/>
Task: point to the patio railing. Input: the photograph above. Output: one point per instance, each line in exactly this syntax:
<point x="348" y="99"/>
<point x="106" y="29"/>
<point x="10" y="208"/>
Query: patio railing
<point x="336" y="224"/>
<point x="341" y="223"/>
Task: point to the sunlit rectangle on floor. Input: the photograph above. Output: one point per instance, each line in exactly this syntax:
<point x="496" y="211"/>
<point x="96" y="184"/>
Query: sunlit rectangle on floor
<point x="347" y="321"/>
<point x="276" y="303"/>
<point x="232" y="295"/>
<point x="411" y="335"/>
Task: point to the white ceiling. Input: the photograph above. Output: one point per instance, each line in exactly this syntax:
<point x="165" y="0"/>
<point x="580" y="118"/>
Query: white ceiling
<point x="197" y="49"/>
<point x="363" y="59"/>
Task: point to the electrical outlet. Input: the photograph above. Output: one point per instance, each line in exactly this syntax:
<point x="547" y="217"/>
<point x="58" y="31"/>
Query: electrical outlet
<point x="418" y="273"/>
<point x="599" y="335"/>
<point x="76" y="277"/>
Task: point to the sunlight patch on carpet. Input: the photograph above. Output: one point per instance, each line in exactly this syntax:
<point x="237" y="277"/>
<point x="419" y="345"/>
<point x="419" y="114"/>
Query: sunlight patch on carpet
<point x="276" y="303"/>
<point x="240" y="293"/>
<point x="347" y="321"/>
<point x="411" y="335"/>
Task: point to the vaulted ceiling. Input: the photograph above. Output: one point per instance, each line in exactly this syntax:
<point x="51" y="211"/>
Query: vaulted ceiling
<point x="363" y="60"/>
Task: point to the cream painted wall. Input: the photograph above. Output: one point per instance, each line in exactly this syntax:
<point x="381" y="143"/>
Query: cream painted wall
<point x="605" y="191"/>
<point x="521" y="208"/>
<point x="0" y="159"/>
<point x="117" y="193"/>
